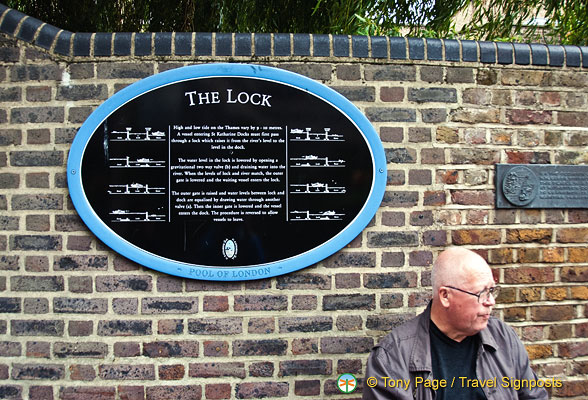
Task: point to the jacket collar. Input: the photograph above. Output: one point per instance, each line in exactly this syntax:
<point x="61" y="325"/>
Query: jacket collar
<point x="420" y="357"/>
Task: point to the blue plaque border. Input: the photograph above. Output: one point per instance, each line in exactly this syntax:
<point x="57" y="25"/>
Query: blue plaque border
<point x="181" y="269"/>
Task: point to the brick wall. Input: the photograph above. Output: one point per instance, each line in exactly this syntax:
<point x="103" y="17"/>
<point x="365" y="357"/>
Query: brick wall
<point x="80" y="322"/>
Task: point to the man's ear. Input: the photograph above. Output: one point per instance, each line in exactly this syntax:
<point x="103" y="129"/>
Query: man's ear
<point x="444" y="296"/>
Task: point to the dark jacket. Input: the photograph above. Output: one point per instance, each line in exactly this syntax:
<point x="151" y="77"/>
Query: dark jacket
<point x="405" y="354"/>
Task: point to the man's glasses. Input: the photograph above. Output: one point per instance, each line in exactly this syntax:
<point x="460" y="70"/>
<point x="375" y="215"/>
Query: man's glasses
<point x="484" y="295"/>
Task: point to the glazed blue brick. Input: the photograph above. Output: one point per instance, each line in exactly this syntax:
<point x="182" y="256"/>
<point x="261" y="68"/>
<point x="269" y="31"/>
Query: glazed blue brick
<point x="360" y="46"/>
<point x="63" y="42"/>
<point x="102" y="44"/>
<point x="522" y="53"/>
<point x="584" y="51"/>
<point x="539" y="54"/>
<point x="28" y="29"/>
<point x="469" y="50"/>
<point x="340" y="46"/>
<point x="301" y="44"/>
<point x="451" y="50"/>
<point x="504" y="53"/>
<point x="142" y="44"/>
<point x="203" y="43"/>
<point x="243" y="44"/>
<point x="434" y="49"/>
<point x="46" y="36"/>
<point x="416" y="49"/>
<point x="224" y="44"/>
<point x="11" y="21"/>
<point x="322" y="45"/>
<point x="282" y="44"/>
<point x="263" y="44"/>
<point x="398" y="48"/>
<point x="122" y="44"/>
<point x="573" y="56"/>
<point x="557" y="56"/>
<point x="183" y="43"/>
<point x="487" y="52"/>
<point x="81" y="44"/>
<point x="163" y="44"/>
<point x="379" y="47"/>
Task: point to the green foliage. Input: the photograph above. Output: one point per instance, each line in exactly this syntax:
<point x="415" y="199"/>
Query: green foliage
<point x="501" y="20"/>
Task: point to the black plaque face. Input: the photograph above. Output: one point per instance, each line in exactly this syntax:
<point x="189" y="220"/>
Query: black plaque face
<point x="541" y="186"/>
<point x="228" y="172"/>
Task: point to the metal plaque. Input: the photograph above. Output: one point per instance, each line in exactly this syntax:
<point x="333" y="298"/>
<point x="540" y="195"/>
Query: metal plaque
<point x="227" y="172"/>
<point x="541" y="186"/>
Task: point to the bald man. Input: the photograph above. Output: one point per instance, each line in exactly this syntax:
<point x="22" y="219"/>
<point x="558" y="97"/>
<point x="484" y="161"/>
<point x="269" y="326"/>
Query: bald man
<point x="454" y="349"/>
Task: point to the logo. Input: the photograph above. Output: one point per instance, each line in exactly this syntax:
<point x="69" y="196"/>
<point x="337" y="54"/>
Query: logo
<point x="346" y="383"/>
<point x="520" y="186"/>
<point x="230" y="249"/>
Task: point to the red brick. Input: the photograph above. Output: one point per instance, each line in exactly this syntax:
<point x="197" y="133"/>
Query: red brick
<point x="514" y="314"/>
<point x="127" y="372"/>
<point x="554" y="255"/>
<point x="501" y="256"/>
<point x="262" y="369"/>
<point x="255" y="390"/>
<point x="537" y="351"/>
<point x="305" y="367"/>
<point x="527" y="157"/>
<point x="578" y="255"/>
<point x="215" y="303"/>
<point x="573" y="118"/>
<point x="304" y="302"/>
<point x="532" y="333"/>
<point x="348" y="281"/>
<point x="261" y="325"/>
<point x="573" y="350"/>
<point x="572" y="389"/>
<point x="529" y="255"/>
<point x="572" y="235"/>
<point x="131" y="392"/>
<point x="127" y="349"/>
<point x="530" y="294"/>
<point x="190" y="392"/>
<point x="475" y="236"/>
<point x="41" y="393"/>
<point x="305" y="346"/>
<point x="574" y="274"/>
<point x="560" y="331"/>
<point x="528" y="235"/>
<point x="171" y="372"/>
<point x="392" y="94"/>
<point x="307" y="388"/>
<point x="529" y="275"/>
<point x="579" y="292"/>
<point x="448" y="177"/>
<point x="87" y="393"/>
<point x="217" y="391"/>
<point x="217" y="370"/>
<point x="349" y="322"/>
<point x="216" y="348"/>
<point x="477" y="217"/>
<point x="345" y="345"/>
<point x="552" y="313"/>
<point x="80" y="372"/>
<point x="170" y="327"/>
<point x="524" y="117"/>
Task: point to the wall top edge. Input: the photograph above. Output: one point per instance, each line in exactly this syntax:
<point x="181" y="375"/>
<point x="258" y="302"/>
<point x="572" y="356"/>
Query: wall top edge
<point x="318" y="46"/>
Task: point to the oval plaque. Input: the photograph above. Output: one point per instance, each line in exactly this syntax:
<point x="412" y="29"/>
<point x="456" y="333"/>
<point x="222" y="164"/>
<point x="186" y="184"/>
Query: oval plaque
<point x="226" y="172"/>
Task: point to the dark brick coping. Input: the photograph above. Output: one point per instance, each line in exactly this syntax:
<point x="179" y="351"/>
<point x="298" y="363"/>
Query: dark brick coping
<point x="197" y="44"/>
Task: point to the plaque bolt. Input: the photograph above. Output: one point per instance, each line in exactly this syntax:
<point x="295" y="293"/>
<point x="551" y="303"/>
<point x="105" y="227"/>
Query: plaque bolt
<point x="381" y="171"/>
<point x="73" y="171"/>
